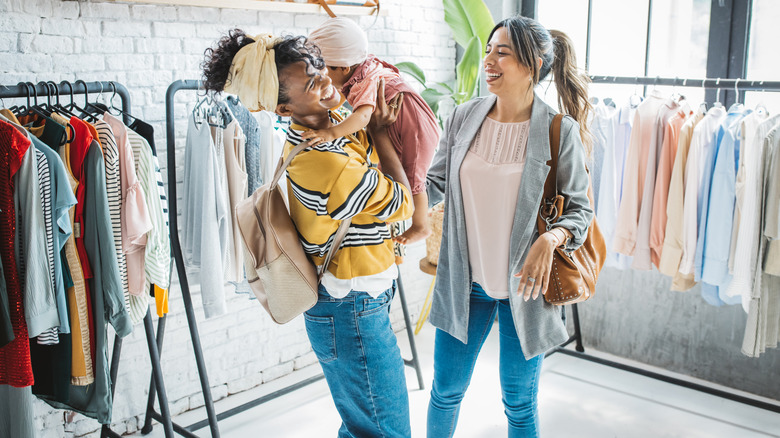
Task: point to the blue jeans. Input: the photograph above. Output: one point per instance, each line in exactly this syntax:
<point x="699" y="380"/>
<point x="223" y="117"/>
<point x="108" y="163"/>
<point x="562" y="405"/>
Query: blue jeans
<point x="453" y="365"/>
<point x="357" y="349"/>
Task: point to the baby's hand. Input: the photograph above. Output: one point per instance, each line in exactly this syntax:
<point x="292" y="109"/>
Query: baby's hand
<point x="319" y="136"/>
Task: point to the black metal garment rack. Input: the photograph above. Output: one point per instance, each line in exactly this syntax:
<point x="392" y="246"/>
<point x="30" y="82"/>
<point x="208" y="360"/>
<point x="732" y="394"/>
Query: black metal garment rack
<point x="212" y="418"/>
<point x="48" y="90"/>
<point x="739" y="86"/>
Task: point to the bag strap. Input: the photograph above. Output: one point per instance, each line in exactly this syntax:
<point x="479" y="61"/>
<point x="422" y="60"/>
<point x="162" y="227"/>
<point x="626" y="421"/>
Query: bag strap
<point x="327" y="8"/>
<point x="282" y="166"/>
<point x="341" y="232"/>
<point x="551" y="183"/>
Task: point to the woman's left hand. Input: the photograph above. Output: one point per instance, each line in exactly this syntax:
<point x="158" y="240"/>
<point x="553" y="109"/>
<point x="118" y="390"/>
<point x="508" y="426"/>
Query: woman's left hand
<point x="535" y="273"/>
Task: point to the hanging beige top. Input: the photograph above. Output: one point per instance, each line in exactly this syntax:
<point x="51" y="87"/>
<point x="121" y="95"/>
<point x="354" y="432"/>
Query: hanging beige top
<point x="490" y="180"/>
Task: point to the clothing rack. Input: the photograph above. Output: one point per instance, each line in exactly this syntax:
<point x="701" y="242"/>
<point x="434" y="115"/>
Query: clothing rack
<point x="212" y="418"/>
<point x="579" y="350"/>
<point x="48" y="90"/>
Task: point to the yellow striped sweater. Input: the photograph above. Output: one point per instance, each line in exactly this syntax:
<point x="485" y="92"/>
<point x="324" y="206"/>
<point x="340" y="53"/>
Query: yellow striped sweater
<point x="338" y="180"/>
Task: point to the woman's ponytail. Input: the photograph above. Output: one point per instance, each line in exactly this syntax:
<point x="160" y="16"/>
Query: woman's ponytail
<point x="572" y="85"/>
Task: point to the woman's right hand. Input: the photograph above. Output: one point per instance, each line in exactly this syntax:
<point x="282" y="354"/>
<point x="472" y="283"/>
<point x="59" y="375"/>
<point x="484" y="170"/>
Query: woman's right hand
<point x="385" y="114"/>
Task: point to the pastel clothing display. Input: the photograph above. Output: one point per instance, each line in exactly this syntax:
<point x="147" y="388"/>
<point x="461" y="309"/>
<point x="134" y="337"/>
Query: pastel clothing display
<point x="136" y="222"/>
<point x="644" y="137"/>
<point x="671" y="134"/>
<point x="750" y="185"/>
<point x="671" y="252"/>
<point x="715" y="204"/>
<point x="114" y="193"/>
<point x="702" y="142"/>
<point x="205" y="217"/>
<point x="613" y="130"/>
<point x="61" y="281"/>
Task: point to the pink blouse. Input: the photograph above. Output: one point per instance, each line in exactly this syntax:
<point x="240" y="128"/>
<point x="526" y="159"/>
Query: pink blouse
<point x="490" y="180"/>
<point x="135" y="218"/>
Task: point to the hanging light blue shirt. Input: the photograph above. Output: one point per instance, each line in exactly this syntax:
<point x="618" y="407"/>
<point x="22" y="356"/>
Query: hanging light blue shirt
<point x="717" y="214"/>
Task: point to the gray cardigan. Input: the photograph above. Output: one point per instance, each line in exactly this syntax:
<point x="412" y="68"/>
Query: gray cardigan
<point x="538" y="324"/>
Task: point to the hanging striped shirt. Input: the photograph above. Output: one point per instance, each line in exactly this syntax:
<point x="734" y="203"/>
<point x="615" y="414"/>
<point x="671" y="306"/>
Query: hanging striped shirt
<point x="340" y="180"/>
<point x="157" y="256"/>
<point x="50" y="336"/>
<point x="114" y="192"/>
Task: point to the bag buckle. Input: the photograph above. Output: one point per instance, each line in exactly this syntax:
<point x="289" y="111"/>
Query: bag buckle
<point x="548" y="211"/>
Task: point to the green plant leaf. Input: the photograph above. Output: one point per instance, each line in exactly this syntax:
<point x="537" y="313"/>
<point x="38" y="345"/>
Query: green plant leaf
<point x="467" y="71"/>
<point x="433" y="97"/>
<point x="467" y="19"/>
<point x="443" y="87"/>
<point x="412" y="70"/>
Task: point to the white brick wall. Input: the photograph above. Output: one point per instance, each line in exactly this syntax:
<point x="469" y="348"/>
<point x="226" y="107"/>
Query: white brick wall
<point x="146" y="47"/>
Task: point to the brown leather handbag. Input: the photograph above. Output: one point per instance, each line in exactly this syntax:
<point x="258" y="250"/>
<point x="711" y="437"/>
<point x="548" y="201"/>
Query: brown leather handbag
<point x="574" y="273"/>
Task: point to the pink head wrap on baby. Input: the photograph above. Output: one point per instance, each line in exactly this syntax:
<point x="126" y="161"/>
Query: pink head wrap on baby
<point x="342" y="42"/>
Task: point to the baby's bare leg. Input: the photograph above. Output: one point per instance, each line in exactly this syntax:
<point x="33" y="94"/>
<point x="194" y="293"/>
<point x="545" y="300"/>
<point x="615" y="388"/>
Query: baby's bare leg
<point x="420" y="228"/>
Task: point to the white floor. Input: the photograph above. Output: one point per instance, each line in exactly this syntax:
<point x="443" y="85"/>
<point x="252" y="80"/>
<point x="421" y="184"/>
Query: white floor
<point x="577" y="398"/>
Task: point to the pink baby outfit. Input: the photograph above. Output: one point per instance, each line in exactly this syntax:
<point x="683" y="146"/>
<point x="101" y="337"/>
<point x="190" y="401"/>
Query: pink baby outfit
<point x="415" y="132"/>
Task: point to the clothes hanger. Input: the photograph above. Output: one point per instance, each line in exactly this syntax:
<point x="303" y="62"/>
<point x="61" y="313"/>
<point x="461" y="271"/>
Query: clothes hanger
<point x="89" y="110"/>
<point x="199" y="112"/>
<point x="52" y="86"/>
<point x="44" y="107"/>
<point x="737" y="105"/>
<point x="217" y="116"/>
<point x="35" y="108"/>
<point x="635" y="98"/>
<point x="760" y="107"/>
<point x="72" y="107"/>
<point x="17" y="109"/>
<point x="717" y="103"/>
<point x="58" y="106"/>
<point x="111" y="107"/>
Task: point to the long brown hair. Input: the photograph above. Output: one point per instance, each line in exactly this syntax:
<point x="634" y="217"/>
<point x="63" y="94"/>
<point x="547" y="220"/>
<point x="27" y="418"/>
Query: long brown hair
<point x="531" y="41"/>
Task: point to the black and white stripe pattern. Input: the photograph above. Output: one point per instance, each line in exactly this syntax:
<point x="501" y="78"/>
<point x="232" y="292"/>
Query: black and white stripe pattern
<point x="161" y="189"/>
<point x="357" y="235"/>
<point x="50" y="336"/>
<point x="317" y="250"/>
<point x="114" y="192"/>
<point x="335" y="146"/>
<point x="393" y="205"/>
<point x="366" y="235"/>
<point x="357" y="199"/>
<point x="311" y="199"/>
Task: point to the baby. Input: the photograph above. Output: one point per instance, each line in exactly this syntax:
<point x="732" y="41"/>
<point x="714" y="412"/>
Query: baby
<point x="415" y="132"/>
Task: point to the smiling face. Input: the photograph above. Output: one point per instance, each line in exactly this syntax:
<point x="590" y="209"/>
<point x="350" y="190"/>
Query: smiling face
<point x="340" y="75"/>
<point x="310" y="94"/>
<point x="504" y="72"/>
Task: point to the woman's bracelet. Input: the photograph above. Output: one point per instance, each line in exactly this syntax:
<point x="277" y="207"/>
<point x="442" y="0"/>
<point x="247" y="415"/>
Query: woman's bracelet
<point x="560" y="236"/>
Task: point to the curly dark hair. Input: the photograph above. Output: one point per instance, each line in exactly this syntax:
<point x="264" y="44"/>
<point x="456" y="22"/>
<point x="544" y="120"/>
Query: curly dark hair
<point x="288" y="51"/>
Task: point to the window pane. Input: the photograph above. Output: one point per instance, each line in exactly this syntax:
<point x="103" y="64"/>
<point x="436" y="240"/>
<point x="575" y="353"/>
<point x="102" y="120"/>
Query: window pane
<point x="678" y="38"/>
<point x="617" y="37"/>
<point x="574" y="22"/>
<point x="763" y="62"/>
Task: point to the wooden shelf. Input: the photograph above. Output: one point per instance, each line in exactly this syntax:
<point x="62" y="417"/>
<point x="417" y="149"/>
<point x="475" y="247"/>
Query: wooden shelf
<point x="264" y="5"/>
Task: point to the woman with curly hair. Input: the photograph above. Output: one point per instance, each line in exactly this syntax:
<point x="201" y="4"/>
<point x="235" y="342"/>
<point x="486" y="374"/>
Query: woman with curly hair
<point x="349" y="327"/>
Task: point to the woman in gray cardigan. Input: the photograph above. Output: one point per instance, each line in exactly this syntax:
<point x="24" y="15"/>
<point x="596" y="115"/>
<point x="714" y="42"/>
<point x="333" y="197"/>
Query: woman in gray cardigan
<point x="490" y="169"/>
